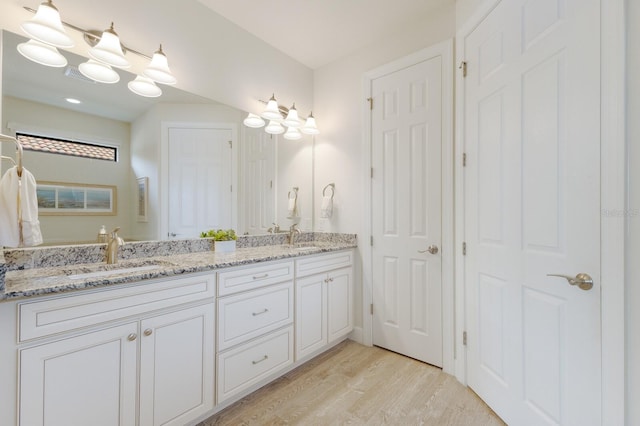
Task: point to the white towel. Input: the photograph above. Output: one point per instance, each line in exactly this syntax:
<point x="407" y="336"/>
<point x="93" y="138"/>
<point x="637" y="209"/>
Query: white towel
<point x="292" y="208"/>
<point x="19" y="225"/>
<point x="326" y="208"/>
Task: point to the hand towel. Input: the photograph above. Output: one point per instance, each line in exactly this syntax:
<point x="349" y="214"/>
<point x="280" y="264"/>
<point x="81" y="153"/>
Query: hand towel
<point x="326" y="208"/>
<point x="292" y="208"/>
<point x="19" y="225"/>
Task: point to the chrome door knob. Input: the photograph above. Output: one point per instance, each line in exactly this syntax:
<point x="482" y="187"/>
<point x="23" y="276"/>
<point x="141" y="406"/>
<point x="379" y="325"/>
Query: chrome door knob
<point x="582" y="280"/>
<point x="433" y="249"/>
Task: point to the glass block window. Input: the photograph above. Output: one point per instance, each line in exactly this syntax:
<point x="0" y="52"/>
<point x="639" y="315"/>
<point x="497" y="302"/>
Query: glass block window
<point x="67" y="147"/>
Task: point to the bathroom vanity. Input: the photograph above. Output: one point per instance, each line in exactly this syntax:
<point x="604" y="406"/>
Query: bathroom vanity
<point x="173" y="339"/>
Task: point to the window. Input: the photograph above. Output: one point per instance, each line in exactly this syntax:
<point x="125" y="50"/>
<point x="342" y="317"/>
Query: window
<point x="67" y="147"/>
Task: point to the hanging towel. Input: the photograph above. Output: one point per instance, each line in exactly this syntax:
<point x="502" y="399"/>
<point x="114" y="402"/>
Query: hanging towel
<point x="292" y="208"/>
<point x="19" y="225"/>
<point x="326" y="208"/>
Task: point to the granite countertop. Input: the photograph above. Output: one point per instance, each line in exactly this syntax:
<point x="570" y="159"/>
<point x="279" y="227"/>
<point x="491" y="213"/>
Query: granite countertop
<point x="58" y="279"/>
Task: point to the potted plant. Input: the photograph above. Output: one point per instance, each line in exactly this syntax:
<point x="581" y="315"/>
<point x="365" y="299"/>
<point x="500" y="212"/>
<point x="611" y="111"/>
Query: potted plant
<point x="224" y="239"/>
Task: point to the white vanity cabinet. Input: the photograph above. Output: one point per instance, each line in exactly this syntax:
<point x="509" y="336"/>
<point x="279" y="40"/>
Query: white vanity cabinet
<point x="255" y="325"/>
<point x="106" y="357"/>
<point x="324" y="300"/>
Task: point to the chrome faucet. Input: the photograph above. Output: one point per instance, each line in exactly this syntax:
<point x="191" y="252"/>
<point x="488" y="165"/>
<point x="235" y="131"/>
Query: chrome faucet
<point x="293" y="231"/>
<point x="113" y="245"/>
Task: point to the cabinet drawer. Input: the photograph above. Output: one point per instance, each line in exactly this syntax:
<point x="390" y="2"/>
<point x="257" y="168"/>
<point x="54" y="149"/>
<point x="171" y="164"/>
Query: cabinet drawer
<point x="248" y="364"/>
<point x="71" y="312"/>
<point x="247" y="315"/>
<point x="250" y="277"/>
<point x="321" y="263"/>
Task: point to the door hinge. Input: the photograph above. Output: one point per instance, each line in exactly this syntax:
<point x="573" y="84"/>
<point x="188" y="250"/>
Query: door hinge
<point x="464" y="249"/>
<point x="464" y="338"/>
<point x="230" y="144"/>
<point x="370" y="103"/>
<point x="230" y="188"/>
<point x="371" y="240"/>
<point x="271" y="184"/>
<point x="372" y="173"/>
<point x="371" y="308"/>
<point x="463" y="67"/>
<point x="464" y="159"/>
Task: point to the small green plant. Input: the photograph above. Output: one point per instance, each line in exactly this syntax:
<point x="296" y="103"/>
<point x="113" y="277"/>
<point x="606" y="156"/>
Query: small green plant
<point x="219" y="234"/>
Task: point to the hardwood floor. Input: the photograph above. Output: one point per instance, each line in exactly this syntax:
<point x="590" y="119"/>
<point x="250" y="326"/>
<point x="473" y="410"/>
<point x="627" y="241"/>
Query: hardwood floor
<point x="359" y="385"/>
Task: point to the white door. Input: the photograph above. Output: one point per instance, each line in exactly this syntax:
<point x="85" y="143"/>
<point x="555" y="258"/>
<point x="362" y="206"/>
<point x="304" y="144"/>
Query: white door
<point x="200" y="177"/>
<point x="177" y="368"/>
<point x="340" y="303"/>
<point x="259" y="182"/>
<point x="406" y="211"/>
<point x="532" y="208"/>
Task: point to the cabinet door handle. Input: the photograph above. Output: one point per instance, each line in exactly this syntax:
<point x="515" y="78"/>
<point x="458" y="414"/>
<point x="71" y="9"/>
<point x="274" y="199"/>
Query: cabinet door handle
<point x="264" y="358"/>
<point x="258" y="277"/>
<point x="255" y="314"/>
<point x="132" y="337"/>
<point x="148" y="332"/>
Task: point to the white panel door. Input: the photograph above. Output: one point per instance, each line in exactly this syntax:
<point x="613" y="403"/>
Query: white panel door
<point x="200" y="176"/>
<point x="177" y="366"/>
<point x="532" y="208"/>
<point x="88" y="379"/>
<point x="406" y="214"/>
<point x="259" y="182"/>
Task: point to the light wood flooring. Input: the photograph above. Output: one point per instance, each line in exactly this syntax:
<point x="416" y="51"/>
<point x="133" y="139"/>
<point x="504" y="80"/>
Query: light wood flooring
<point x="358" y="385"/>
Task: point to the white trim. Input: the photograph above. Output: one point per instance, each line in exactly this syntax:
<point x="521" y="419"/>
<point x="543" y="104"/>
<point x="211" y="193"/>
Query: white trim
<point x="163" y="170"/>
<point x="613" y="196"/>
<point x="445" y="51"/>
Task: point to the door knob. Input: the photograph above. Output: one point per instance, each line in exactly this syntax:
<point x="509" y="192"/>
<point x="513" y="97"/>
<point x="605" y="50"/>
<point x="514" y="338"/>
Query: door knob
<point x="433" y="249"/>
<point x="582" y="280"/>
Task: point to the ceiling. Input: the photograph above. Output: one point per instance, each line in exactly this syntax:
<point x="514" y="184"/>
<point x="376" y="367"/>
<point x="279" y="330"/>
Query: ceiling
<point x="318" y="32"/>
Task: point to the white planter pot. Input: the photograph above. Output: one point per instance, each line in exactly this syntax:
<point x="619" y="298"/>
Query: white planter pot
<point x="225" y="246"/>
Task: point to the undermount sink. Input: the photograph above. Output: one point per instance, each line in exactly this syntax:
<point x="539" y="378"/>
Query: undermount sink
<point x="303" y="247"/>
<point x="105" y="270"/>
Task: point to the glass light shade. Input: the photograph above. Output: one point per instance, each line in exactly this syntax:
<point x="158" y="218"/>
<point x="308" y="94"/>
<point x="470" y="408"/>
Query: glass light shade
<point x="310" y="127"/>
<point x="97" y="71"/>
<point x="109" y="50"/>
<point x="274" y="128"/>
<point x="46" y="26"/>
<point x="253" y="121"/>
<point x="292" y="119"/>
<point x="144" y="86"/>
<point x="293" y="134"/>
<point x="158" y="69"/>
<point x="42" y="54"/>
<point x="272" y="112"/>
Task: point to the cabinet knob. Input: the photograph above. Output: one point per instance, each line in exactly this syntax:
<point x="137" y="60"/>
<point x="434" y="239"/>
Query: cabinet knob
<point x="148" y="332"/>
<point x="132" y="337"/>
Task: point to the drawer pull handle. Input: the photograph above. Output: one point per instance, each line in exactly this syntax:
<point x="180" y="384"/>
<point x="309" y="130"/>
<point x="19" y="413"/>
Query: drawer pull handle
<point x="148" y="332"/>
<point x="132" y="337"/>
<point x="264" y="358"/>
<point x="259" y="277"/>
<point x="255" y="314"/>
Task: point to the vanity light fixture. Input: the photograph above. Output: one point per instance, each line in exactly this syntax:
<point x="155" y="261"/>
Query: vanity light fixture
<point x="279" y="116"/>
<point x="47" y="32"/>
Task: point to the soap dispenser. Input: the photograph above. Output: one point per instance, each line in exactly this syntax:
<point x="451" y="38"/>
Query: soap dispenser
<point x="102" y="235"/>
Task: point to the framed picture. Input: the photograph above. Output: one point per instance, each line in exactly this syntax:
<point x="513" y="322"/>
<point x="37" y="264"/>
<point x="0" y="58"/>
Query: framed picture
<point x="143" y="198"/>
<point x="62" y="198"/>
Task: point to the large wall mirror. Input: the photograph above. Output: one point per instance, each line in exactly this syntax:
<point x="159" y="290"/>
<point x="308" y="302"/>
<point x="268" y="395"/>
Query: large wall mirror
<point x="259" y="170"/>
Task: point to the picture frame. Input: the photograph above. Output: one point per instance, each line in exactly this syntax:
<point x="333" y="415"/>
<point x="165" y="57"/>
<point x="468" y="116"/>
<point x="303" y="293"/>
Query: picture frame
<point x="143" y="199"/>
<point x="76" y="199"/>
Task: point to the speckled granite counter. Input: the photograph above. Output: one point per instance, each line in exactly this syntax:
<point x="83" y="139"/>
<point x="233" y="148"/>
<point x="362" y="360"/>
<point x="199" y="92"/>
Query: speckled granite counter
<point x="58" y="275"/>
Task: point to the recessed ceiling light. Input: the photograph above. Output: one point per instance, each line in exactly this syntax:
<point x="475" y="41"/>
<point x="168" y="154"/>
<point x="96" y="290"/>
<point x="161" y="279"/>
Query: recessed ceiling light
<point x="73" y="101"/>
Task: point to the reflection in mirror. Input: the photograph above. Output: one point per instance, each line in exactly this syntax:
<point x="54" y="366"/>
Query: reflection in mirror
<point x="33" y="102"/>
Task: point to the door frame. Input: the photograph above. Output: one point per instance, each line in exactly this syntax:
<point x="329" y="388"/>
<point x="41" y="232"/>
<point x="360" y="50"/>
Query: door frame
<point x="612" y="199"/>
<point x="163" y="172"/>
<point x="444" y="50"/>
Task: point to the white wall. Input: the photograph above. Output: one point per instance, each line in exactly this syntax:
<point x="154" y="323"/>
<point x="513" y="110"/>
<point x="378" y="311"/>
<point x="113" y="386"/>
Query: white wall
<point x="56" y="122"/>
<point x="633" y="218"/>
<point x="339" y="108"/>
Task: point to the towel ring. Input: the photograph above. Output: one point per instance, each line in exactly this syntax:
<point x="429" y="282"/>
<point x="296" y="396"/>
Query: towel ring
<point x="295" y="193"/>
<point x="331" y="186"/>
